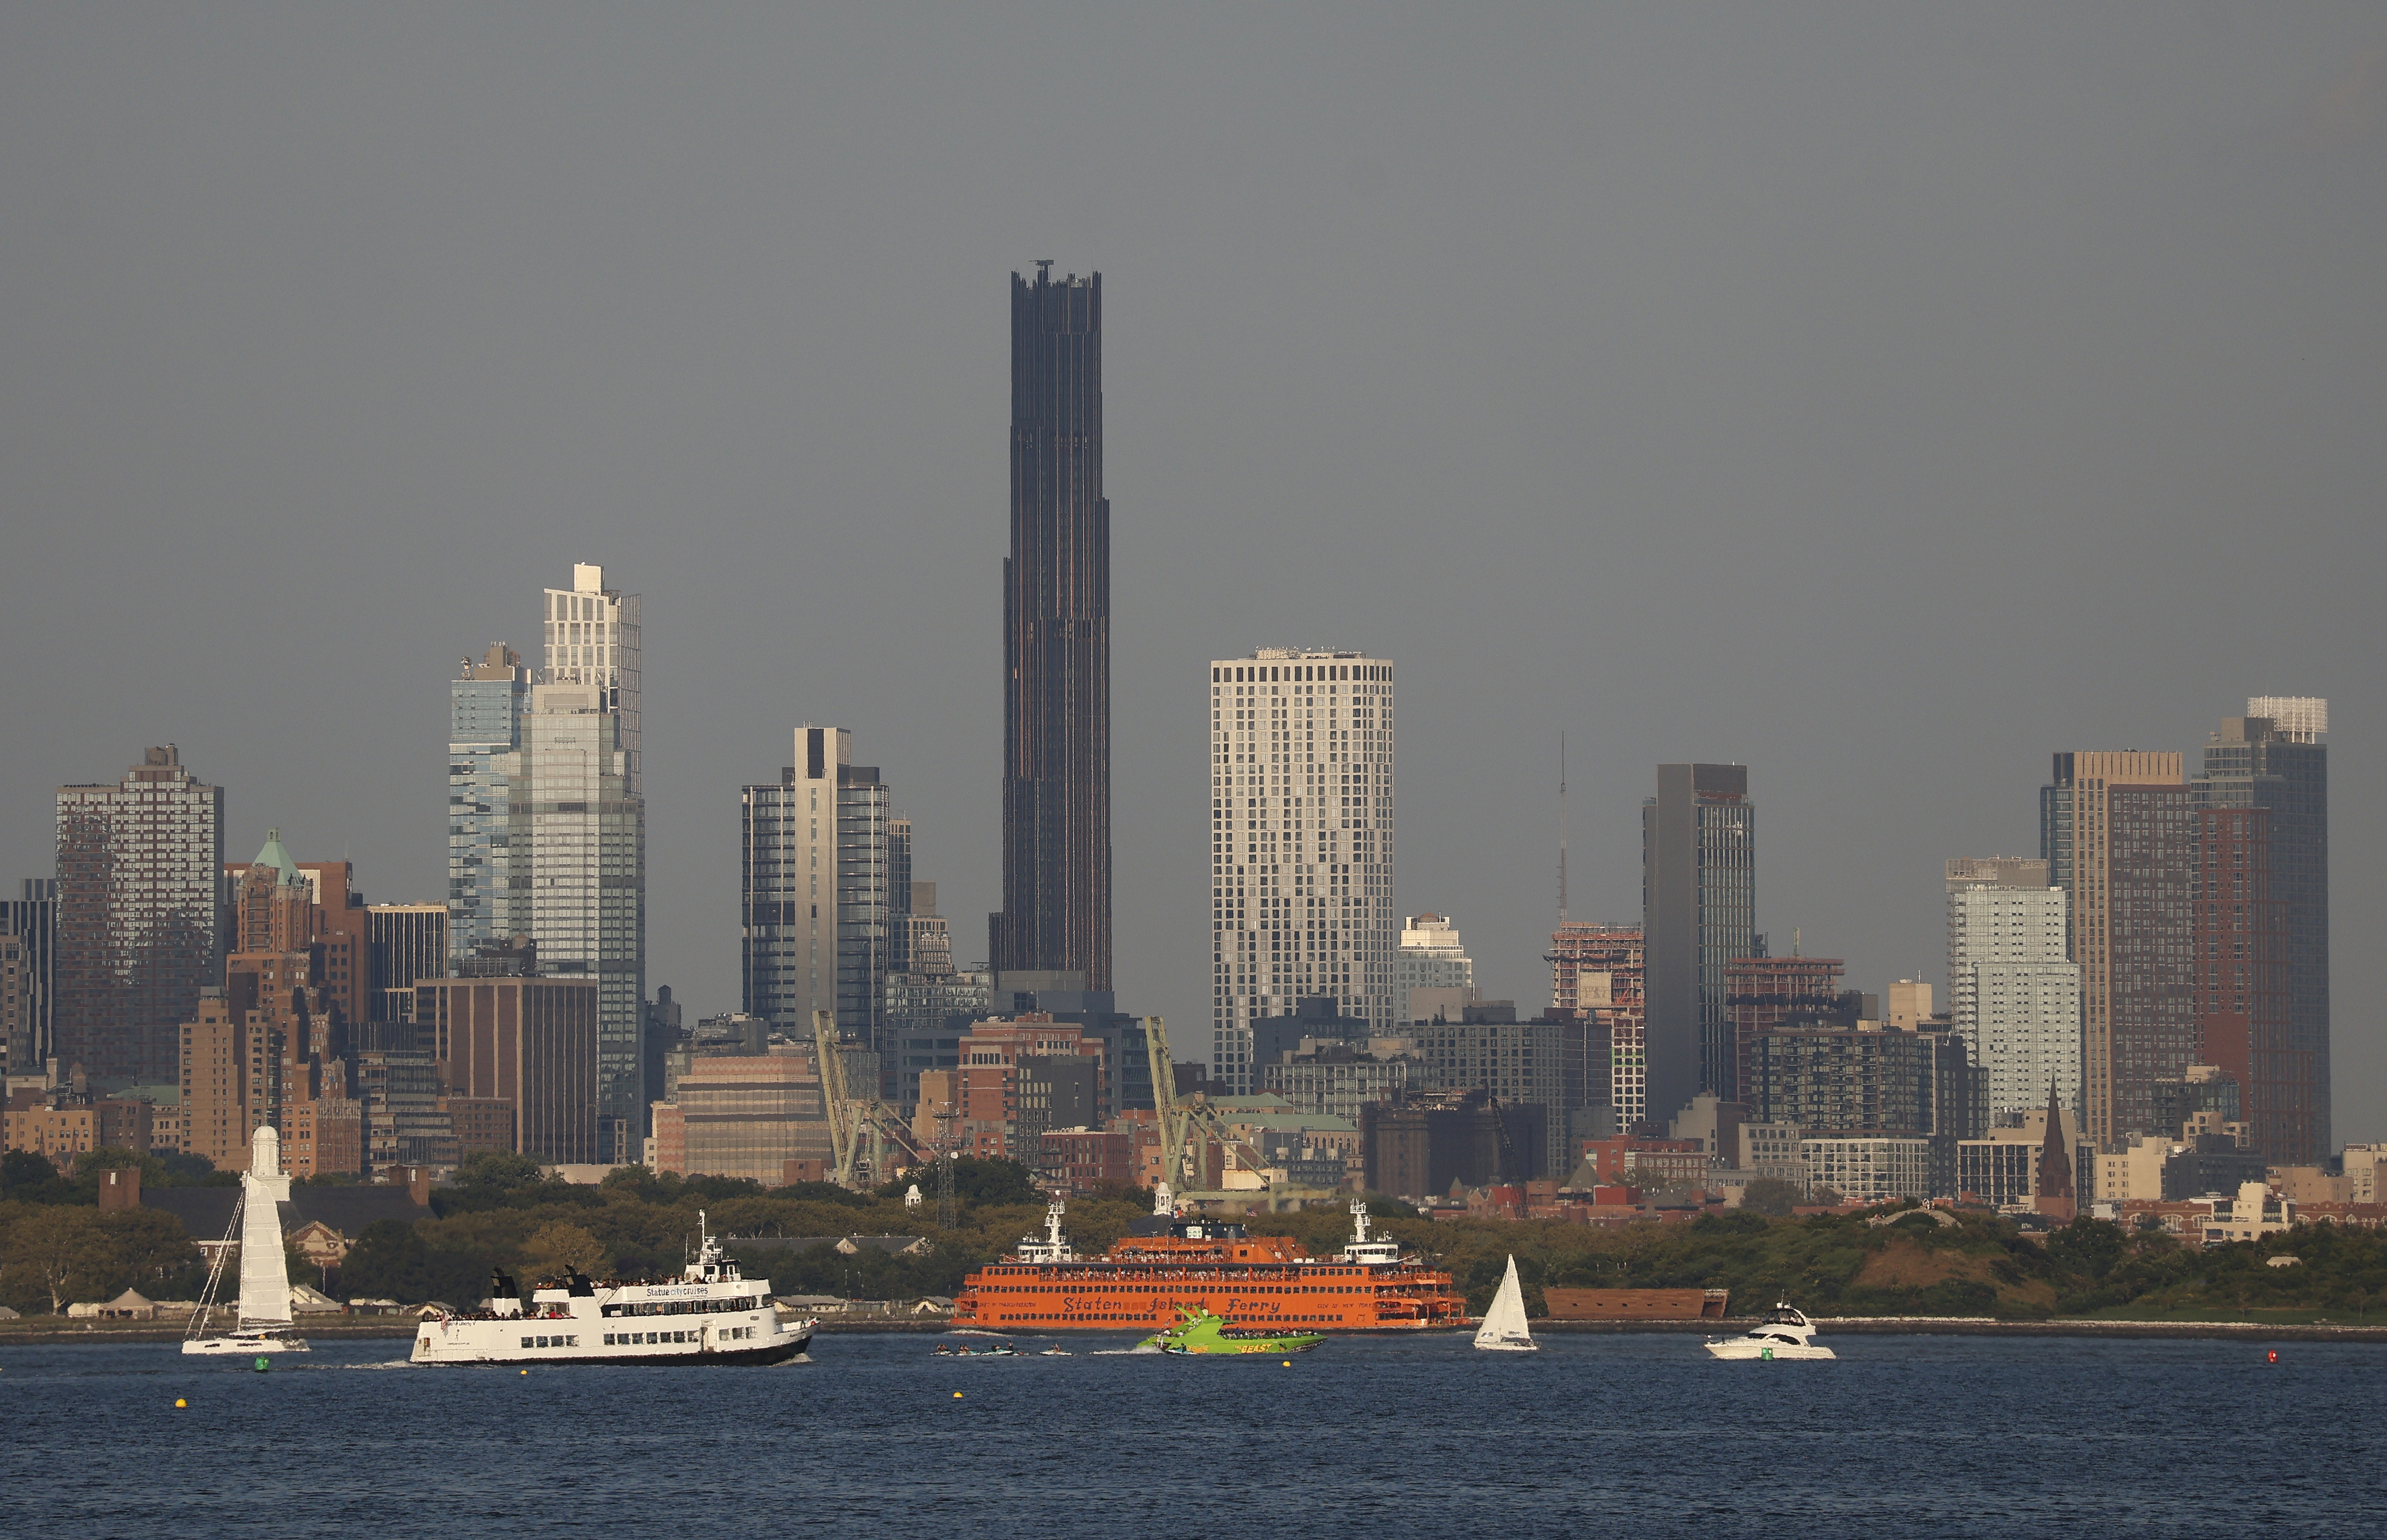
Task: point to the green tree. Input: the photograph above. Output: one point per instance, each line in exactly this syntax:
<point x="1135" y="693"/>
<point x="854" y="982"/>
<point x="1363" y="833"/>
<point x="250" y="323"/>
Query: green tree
<point x="391" y="1260"/>
<point x="496" y="1179"/>
<point x="557" y="1245"/>
<point x="989" y="1183"/>
<point x="56" y="1252"/>
<point x="151" y="1251"/>
<point x="29" y="1178"/>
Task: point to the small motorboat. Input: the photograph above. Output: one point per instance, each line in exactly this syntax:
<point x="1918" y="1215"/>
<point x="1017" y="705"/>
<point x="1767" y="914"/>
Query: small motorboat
<point x="1784" y="1333"/>
<point x="1200" y="1332"/>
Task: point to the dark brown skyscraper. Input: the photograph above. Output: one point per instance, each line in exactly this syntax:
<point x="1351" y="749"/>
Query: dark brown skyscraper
<point x="1056" y="641"/>
<point x="2262" y="920"/>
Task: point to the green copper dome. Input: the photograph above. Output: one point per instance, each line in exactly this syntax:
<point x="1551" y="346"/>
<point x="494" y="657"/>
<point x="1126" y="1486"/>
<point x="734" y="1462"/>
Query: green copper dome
<point x="274" y="855"/>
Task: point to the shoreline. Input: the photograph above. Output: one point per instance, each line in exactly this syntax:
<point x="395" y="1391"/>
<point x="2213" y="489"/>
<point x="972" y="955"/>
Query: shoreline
<point x="1985" y="1326"/>
<point x="15" y="1336"/>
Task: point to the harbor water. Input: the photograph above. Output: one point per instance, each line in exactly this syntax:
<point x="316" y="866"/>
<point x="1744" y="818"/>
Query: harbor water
<point x="1627" y="1436"/>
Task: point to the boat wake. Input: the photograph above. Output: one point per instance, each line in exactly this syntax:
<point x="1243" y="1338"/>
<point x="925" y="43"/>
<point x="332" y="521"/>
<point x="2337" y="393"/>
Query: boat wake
<point x="1123" y="1352"/>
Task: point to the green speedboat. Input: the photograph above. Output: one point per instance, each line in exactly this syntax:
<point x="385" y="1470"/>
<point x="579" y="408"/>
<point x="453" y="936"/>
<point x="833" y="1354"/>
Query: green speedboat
<point x="1206" y="1334"/>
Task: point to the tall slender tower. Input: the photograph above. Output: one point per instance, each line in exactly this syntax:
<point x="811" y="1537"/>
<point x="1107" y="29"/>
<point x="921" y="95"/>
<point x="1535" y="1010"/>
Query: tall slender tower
<point x="1699" y="911"/>
<point x="577" y="833"/>
<point x="1056" y="641"/>
<point x="1301" y="843"/>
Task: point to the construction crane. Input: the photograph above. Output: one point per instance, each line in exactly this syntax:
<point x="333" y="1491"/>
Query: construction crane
<point x="852" y="1118"/>
<point x="1180" y="1122"/>
<point x="1168" y="1116"/>
<point x="834" y="1102"/>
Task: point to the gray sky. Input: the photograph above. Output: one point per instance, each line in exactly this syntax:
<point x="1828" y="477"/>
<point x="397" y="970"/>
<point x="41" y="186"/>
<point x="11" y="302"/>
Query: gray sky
<point x="1884" y="397"/>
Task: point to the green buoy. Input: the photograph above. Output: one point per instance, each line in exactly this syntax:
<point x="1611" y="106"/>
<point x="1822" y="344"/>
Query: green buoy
<point x="264" y="1364"/>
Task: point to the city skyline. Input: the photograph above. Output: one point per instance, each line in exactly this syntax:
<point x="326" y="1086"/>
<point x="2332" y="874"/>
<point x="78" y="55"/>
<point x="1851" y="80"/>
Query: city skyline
<point x="1374" y="370"/>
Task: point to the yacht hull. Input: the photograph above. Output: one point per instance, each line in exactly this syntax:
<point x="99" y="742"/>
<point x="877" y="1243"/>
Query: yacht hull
<point x="1741" y="1347"/>
<point x="240" y="1346"/>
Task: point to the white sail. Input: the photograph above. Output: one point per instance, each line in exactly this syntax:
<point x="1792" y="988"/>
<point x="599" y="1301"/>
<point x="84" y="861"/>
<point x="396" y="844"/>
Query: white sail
<point x="264" y="1278"/>
<point x="1504" y="1325"/>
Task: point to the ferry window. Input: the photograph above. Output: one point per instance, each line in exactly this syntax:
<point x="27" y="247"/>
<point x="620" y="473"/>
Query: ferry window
<point x="526" y="1341"/>
<point x="572" y="1342"/>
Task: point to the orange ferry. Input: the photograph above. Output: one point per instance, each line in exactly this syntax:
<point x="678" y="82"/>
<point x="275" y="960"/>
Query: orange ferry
<point x="1169" y="1263"/>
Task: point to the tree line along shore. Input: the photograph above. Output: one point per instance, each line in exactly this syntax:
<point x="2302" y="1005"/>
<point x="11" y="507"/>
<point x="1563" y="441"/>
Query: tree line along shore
<point x="57" y="1248"/>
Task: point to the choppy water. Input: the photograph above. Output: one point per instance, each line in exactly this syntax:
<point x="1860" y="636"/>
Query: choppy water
<point x="1637" y="1436"/>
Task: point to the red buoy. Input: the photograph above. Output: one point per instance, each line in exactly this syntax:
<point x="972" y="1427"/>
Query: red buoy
<point x="2273" y="1356"/>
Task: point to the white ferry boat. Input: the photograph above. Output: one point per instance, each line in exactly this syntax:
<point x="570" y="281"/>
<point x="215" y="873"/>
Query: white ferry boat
<point x="711" y="1315"/>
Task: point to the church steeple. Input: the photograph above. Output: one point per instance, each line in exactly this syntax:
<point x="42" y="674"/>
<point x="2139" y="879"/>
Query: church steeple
<point x="2054" y="1194"/>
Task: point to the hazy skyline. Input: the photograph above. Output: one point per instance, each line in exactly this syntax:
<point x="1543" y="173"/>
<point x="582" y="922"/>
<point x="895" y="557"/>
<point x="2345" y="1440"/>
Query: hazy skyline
<point x="1884" y="398"/>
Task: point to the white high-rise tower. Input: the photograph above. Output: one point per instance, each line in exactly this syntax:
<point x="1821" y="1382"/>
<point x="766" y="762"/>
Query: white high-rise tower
<point x="2012" y="993"/>
<point x="1301" y="842"/>
<point x="577" y="852"/>
<point x="592" y="639"/>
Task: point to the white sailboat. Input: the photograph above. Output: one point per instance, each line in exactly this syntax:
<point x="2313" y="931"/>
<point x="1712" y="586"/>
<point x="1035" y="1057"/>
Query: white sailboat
<point x="264" y="1327"/>
<point x="1504" y="1329"/>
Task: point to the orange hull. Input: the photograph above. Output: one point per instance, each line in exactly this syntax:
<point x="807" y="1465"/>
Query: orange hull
<point x="1144" y="1284"/>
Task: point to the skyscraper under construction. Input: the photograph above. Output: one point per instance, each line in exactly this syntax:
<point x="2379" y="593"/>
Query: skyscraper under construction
<point x="1056" y="641"/>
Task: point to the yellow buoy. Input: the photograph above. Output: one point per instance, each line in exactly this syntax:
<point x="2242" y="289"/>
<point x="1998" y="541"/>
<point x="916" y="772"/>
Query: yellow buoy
<point x="957" y="1396"/>
<point x="525" y="1371"/>
<point x="180" y="1403"/>
<point x="1288" y="1363"/>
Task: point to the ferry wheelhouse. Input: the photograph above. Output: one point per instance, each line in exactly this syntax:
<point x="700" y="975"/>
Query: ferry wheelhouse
<point x="1170" y="1264"/>
<point x="711" y="1314"/>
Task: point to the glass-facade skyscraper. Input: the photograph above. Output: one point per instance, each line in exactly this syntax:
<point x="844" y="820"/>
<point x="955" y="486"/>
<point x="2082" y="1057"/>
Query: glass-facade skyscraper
<point x="32" y="918"/>
<point x="548" y="829"/>
<point x="486" y="701"/>
<point x="577" y="850"/>
<point x="1699" y="904"/>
